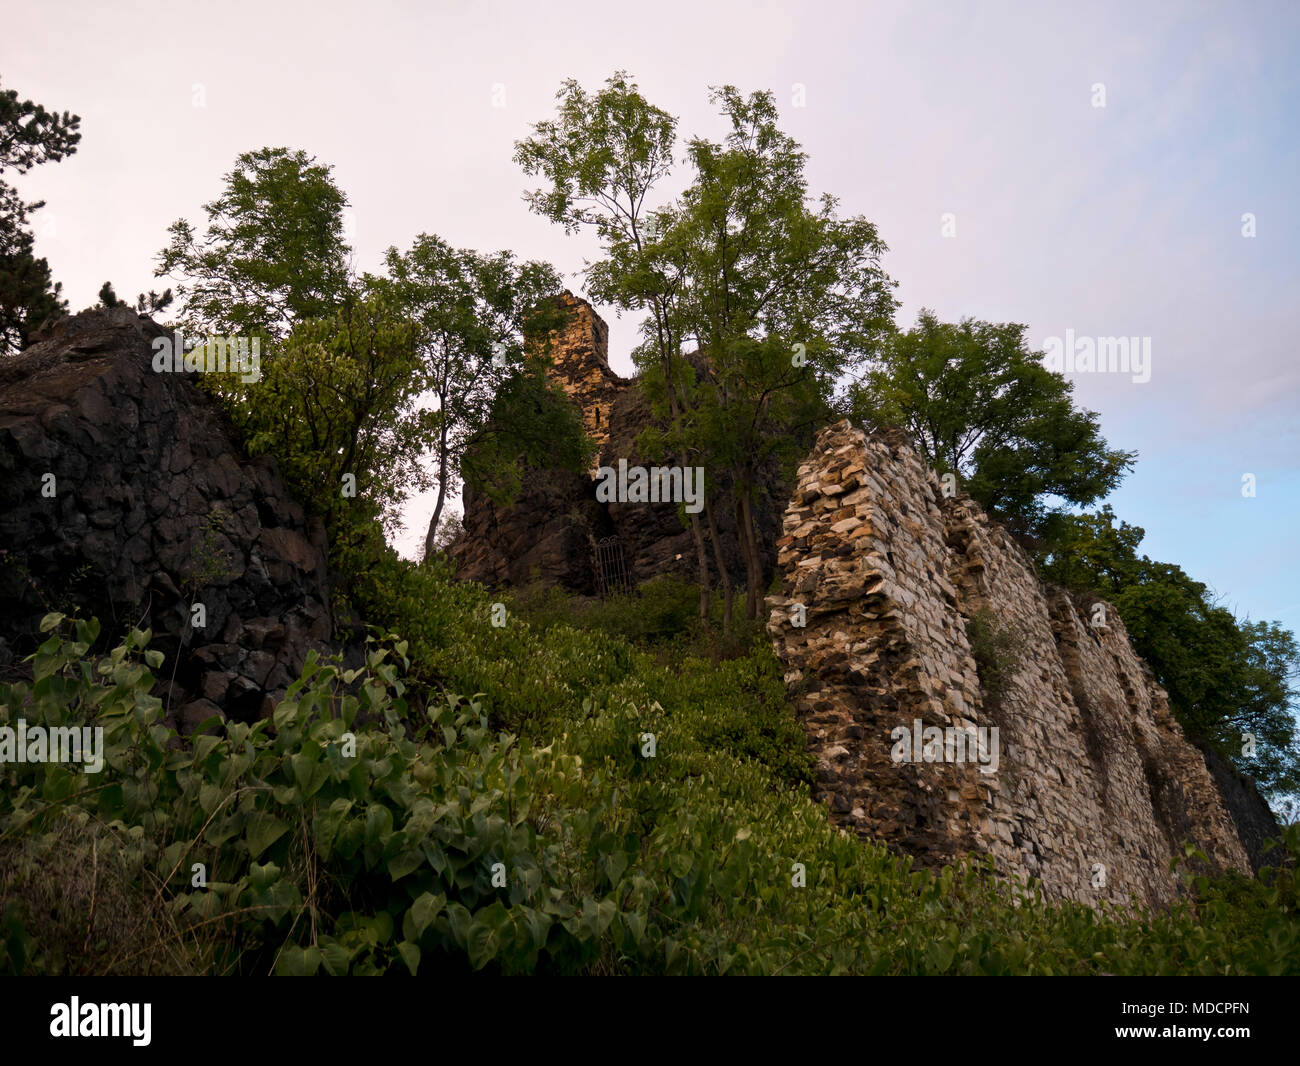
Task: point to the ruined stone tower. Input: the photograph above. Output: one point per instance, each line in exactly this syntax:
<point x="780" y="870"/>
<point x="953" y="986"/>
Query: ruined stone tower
<point x="581" y="355"/>
<point x="549" y="535"/>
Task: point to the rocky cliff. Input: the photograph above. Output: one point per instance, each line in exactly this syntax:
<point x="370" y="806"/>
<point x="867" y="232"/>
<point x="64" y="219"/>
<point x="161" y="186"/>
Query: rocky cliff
<point x="124" y="494"/>
<point x="550" y="534"/>
<point x="1075" y="772"/>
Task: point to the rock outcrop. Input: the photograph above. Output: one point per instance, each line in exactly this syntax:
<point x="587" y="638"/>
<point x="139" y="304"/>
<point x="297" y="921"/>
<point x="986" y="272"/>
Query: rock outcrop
<point x="124" y="494"/>
<point x="550" y="534"/>
<point x="1083" y="780"/>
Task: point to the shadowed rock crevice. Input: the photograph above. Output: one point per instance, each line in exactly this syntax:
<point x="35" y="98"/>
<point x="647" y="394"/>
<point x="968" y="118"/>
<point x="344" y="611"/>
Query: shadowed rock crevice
<point x="1250" y="814"/>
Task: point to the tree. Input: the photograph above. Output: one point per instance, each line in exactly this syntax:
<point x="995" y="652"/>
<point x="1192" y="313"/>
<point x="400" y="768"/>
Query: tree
<point x="533" y="423"/>
<point x="1224" y="678"/>
<point x="1268" y="705"/>
<point x="783" y="297"/>
<point x="474" y="317"/>
<point x="339" y="410"/>
<point x="450" y="529"/>
<point x="151" y="304"/>
<point x="602" y="157"/>
<point x="273" y="254"/>
<point x="29" y="136"/>
<point x="979" y="404"/>
<point x="741" y="265"/>
<point x="1088" y="551"/>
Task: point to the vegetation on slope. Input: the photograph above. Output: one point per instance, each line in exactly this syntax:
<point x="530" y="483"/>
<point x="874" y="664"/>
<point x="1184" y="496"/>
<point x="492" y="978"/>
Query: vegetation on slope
<point x="483" y="797"/>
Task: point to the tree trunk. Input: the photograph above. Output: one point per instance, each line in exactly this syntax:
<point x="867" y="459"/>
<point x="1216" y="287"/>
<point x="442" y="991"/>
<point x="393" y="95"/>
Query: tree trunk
<point x="702" y="558"/>
<point x="433" y="522"/>
<point x="728" y="594"/>
<point x="697" y="534"/>
<point x="753" y="562"/>
<point x="430" y="536"/>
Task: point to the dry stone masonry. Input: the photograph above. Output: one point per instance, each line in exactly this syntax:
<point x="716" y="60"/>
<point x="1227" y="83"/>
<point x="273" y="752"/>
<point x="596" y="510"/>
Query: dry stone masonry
<point x="583" y="353"/>
<point x="1095" y="785"/>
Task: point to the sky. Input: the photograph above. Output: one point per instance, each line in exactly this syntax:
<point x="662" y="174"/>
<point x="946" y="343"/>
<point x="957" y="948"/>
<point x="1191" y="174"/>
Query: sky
<point x="1093" y="168"/>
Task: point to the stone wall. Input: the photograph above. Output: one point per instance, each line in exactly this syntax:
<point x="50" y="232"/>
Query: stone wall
<point x="1251" y="815"/>
<point x="1095" y="786"/>
<point x="549" y="534"/>
<point x="582" y="353"/>
<point x="152" y="507"/>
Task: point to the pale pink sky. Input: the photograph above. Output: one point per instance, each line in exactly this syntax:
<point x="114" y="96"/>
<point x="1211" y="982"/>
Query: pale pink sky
<point x="1122" y="220"/>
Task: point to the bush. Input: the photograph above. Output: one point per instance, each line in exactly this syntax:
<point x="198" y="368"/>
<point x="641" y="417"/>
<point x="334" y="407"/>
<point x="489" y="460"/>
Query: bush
<point x="660" y="615"/>
<point x="321" y="843"/>
<point x="647" y="821"/>
<point x="998" y="652"/>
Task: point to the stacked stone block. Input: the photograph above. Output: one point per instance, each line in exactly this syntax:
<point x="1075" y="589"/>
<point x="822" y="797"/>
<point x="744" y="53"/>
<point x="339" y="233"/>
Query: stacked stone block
<point x="1095" y="787"/>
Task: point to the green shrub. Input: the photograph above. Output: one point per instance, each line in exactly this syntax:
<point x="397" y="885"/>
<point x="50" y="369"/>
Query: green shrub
<point x="325" y="844"/>
<point x="660" y="615"/>
<point x="360" y="830"/>
<point x="998" y="651"/>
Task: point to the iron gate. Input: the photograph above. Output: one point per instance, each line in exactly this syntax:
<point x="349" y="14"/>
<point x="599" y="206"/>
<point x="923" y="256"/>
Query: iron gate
<point x="611" y="567"/>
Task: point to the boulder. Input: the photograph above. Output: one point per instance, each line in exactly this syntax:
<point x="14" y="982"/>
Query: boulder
<point x="125" y="494"/>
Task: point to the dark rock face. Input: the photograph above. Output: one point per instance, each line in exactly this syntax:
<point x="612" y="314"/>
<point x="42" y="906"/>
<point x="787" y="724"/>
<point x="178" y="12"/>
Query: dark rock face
<point x="545" y="537"/>
<point x="124" y="494"/>
<point x="550" y="534"/>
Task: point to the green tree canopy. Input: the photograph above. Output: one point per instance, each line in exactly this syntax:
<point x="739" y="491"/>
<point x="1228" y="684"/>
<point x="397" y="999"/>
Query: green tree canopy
<point x="273" y="253"/>
<point x="782" y="295"/>
<point x="743" y="266"/>
<point x="474" y="317"/>
<point x="29" y="135"/>
<point x="340" y="402"/>
<point x="978" y="403"/>
<point x="533" y="423"/>
<point x="147" y="303"/>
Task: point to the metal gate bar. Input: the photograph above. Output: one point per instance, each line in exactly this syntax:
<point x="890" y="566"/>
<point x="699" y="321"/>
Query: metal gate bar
<point x="611" y="568"/>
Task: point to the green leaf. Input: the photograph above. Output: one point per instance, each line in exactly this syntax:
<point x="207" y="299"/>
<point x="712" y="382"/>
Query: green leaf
<point x="423" y="911"/>
<point x="309" y="773"/>
<point x="262" y="831"/>
<point x="329" y="821"/>
<point x="636" y="924"/>
<point x="336" y="957"/>
<point x="298" y="962"/>
<point x="483" y="941"/>
<point x="381" y="927"/>
<point x="405" y="862"/>
<point x="615" y="865"/>
<point x="410" y="955"/>
<point x="379" y="824"/>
